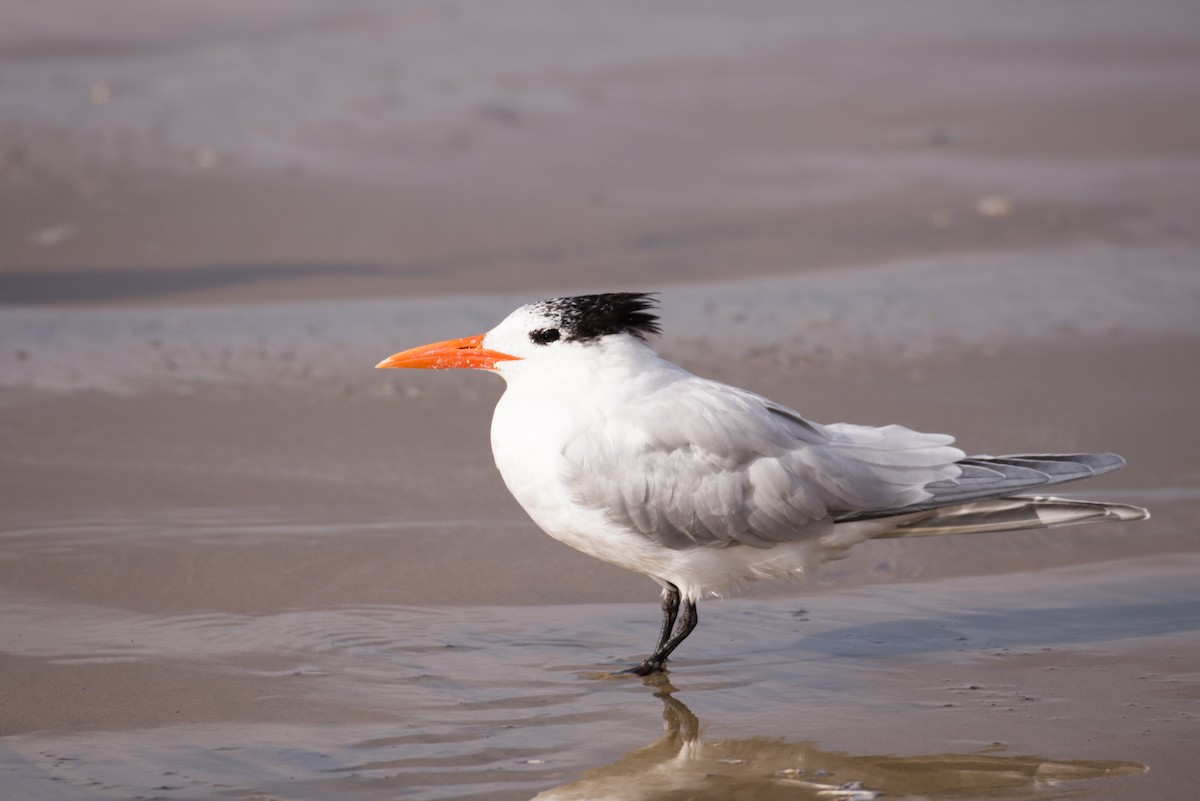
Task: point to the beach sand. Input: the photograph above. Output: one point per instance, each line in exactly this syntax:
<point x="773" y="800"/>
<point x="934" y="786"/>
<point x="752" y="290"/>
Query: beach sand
<point x="236" y="561"/>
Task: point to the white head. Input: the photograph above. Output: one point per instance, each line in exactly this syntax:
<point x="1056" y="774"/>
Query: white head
<point x="539" y="329"/>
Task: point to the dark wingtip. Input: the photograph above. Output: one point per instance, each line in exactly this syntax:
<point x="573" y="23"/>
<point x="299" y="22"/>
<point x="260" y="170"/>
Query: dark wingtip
<point x="1099" y="463"/>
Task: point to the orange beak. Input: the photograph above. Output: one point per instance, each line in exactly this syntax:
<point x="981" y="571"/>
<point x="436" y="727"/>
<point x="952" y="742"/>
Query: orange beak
<point x="449" y="355"/>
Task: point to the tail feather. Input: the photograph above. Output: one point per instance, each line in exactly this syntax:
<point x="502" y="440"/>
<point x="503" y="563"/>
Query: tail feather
<point x="1012" y="514"/>
<point x="1099" y="463"/>
<point x="993" y="477"/>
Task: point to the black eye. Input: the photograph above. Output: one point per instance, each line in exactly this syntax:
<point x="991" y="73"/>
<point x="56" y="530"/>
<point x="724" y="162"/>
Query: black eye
<point x="544" y="336"/>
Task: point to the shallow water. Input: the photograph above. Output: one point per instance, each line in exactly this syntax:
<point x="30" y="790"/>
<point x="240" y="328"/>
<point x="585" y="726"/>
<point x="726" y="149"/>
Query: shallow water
<point x="473" y="762"/>
<point x="908" y="689"/>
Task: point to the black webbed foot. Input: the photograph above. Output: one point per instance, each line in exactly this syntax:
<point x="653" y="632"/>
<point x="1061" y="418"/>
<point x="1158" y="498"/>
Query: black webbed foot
<point x="646" y="668"/>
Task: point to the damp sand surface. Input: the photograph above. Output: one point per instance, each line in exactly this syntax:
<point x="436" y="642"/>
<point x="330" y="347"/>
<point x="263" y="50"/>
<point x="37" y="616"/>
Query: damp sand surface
<point x="960" y="686"/>
<point x="196" y="606"/>
<point x="237" y="562"/>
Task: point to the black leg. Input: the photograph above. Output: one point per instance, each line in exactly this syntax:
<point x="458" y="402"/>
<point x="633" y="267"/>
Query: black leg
<point x="691" y="617"/>
<point x="654" y="663"/>
<point x="670" y="608"/>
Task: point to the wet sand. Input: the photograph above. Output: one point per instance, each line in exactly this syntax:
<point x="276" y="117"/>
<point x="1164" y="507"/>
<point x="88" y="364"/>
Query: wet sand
<point x="235" y="561"/>
<point x="959" y="678"/>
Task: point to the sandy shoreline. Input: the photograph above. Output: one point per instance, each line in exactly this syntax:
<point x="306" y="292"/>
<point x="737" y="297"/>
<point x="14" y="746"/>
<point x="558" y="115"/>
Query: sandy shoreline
<point x="236" y="561"/>
<point x="310" y="149"/>
<point x="247" y="585"/>
<point x="234" y="473"/>
<point x="206" y="608"/>
<point x="356" y="700"/>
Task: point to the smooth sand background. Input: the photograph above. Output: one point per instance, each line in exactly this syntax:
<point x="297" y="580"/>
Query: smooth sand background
<point x="238" y="562"/>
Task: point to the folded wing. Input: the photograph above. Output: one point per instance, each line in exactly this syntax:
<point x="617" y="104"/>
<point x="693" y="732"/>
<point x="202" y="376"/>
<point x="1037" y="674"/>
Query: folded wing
<point x="736" y="469"/>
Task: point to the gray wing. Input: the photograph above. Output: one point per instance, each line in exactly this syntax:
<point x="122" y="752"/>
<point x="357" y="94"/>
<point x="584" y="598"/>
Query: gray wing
<point x="986" y="477"/>
<point x="702" y="464"/>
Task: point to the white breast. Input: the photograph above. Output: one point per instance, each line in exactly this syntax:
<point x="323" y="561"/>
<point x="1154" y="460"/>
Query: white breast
<point x="551" y="408"/>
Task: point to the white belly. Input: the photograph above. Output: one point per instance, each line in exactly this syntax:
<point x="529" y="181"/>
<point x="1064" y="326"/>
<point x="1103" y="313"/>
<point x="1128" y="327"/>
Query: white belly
<point x="529" y="435"/>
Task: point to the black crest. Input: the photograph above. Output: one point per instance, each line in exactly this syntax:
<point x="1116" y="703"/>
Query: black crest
<point x="586" y="317"/>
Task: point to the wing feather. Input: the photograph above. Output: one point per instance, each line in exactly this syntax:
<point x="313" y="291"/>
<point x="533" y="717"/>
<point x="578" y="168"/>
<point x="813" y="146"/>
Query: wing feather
<point x="988" y="477"/>
<point x="702" y="464"/>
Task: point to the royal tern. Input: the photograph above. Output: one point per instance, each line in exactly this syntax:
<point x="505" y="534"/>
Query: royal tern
<point x="703" y="486"/>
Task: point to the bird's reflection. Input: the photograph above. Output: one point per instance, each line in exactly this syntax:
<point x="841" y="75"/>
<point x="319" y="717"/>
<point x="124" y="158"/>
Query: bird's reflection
<point x="680" y="765"/>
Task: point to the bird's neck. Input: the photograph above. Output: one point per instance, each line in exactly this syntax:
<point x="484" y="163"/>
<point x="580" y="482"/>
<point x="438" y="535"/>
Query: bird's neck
<point x="578" y="385"/>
